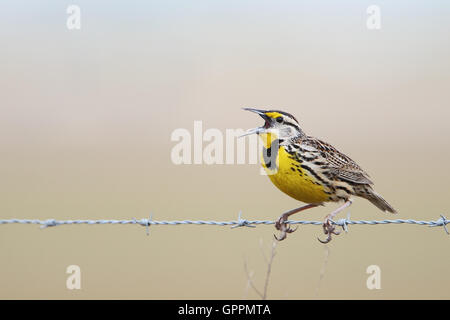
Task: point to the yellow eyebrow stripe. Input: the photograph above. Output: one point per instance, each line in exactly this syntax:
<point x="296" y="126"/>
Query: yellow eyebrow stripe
<point x="274" y="114"/>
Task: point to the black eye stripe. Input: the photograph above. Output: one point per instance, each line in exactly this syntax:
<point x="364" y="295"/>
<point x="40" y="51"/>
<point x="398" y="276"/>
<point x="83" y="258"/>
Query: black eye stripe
<point x="279" y="119"/>
<point x="291" y="124"/>
<point x="284" y="113"/>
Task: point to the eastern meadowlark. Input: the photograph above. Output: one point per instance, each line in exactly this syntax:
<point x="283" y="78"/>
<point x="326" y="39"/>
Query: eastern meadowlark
<point x="310" y="170"/>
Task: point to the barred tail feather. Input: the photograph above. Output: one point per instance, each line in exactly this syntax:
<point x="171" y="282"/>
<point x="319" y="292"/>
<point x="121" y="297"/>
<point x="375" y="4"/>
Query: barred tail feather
<point x="378" y="201"/>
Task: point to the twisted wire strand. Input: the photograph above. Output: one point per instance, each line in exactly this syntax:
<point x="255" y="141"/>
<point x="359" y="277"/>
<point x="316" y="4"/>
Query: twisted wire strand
<point x="344" y="223"/>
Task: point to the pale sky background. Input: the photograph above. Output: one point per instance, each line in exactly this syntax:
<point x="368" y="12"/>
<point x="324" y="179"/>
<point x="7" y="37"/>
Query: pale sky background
<point x="85" y="123"/>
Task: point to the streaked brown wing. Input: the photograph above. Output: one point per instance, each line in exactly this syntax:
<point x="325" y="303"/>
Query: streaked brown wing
<point x="341" y="166"/>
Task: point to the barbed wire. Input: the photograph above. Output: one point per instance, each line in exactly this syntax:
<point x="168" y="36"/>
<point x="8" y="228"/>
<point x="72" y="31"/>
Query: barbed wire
<point x="147" y="222"/>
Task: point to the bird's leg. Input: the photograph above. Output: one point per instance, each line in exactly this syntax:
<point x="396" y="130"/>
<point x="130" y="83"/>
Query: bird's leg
<point x="283" y="226"/>
<point x="328" y="227"/>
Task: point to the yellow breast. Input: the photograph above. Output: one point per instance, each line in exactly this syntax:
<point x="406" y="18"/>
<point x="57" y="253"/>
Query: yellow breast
<point x="292" y="179"/>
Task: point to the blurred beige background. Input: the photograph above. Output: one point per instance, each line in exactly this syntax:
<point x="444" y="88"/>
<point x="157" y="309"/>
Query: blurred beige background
<point x="85" y="124"/>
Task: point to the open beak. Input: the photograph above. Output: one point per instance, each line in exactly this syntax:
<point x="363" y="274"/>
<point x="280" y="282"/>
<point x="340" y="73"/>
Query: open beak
<point x="261" y="129"/>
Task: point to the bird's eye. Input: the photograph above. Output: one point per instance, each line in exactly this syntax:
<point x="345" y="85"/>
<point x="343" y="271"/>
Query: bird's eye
<point x="279" y="119"/>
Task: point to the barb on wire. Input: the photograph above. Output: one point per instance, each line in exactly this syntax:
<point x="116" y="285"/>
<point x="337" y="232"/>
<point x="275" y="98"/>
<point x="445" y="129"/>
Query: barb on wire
<point x="145" y="222"/>
<point x="443" y="222"/>
<point x="242" y="222"/>
<point x="344" y="223"/>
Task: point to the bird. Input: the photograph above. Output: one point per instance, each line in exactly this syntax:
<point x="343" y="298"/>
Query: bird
<point x="310" y="170"/>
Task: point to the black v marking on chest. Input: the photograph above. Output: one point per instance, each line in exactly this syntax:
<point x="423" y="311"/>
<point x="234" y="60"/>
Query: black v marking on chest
<point x="270" y="155"/>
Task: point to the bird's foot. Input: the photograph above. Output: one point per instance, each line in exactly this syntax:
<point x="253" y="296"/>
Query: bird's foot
<point x="328" y="229"/>
<point x="282" y="226"/>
